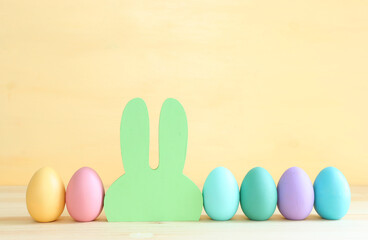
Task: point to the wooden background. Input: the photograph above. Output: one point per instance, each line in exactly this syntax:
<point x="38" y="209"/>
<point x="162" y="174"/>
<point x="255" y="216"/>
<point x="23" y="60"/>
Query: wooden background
<point x="264" y="83"/>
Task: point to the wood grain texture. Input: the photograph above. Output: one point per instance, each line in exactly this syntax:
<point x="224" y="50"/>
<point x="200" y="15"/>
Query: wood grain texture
<point x="15" y="223"/>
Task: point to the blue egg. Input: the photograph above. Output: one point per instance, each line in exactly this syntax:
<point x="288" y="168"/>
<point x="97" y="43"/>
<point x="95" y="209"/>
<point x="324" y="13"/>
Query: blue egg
<point x="332" y="194"/>
<point x="220" y="194"/>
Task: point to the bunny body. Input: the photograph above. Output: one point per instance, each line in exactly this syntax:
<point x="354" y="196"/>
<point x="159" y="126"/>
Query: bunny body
<point x="158" y="199"/>
<point x="145" y="194"/>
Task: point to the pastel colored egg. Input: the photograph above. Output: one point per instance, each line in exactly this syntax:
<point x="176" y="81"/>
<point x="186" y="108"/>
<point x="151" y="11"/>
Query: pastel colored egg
<point x="220" y="194"/>
<point x="84" y="195"/>
<point x="332" y="194"/>
<point x="45" y="195"/>
<point x="258" y="194"/>
<point x="295" y="194"/>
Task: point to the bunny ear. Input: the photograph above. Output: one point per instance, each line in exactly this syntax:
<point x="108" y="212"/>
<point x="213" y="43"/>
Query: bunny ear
<point x="134" y="136"/>
<point x="173" y="136"/>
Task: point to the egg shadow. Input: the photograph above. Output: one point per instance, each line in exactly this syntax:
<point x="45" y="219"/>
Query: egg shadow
<point x="65" y="220"/>
<point x="274" y="218"/>
<point x="27" y="220"/>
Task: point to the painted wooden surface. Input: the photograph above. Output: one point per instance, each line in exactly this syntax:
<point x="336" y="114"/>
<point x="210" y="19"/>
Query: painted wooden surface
<point x="15" y="223"/>
<point x="264" y="83"/>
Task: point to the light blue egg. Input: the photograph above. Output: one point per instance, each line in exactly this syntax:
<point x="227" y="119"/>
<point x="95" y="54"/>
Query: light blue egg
<point x="332" y="194"/>
<point x="220" y="194"/>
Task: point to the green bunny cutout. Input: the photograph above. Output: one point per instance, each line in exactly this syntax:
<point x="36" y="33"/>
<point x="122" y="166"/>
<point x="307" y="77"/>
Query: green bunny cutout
<point x="146" y="194"/>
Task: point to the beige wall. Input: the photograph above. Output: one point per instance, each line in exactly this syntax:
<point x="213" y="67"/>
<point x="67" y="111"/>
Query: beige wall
<point x="264" y="83"/>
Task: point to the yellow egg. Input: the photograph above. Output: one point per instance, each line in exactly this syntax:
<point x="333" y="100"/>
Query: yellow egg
<point x="45" y="195"/>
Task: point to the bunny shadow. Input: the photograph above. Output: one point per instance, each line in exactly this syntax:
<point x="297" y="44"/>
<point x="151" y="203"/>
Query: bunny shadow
<point x="145" y="194"/>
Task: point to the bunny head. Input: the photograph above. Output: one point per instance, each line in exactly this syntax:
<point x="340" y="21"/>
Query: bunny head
<point x="146" y="194"/>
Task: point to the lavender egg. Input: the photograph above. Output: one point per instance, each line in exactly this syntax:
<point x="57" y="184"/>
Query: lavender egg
<point x="295" y="194"/>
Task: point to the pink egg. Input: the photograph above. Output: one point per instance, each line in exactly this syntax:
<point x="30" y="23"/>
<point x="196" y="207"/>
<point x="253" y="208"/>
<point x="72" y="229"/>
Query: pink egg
<point x="85" y="195"/>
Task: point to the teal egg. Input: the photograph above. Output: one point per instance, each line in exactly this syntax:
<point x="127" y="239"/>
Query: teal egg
<point x="220" y="194"/>
<point x="258" y="194"/>
<point x="332" y="194"/>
